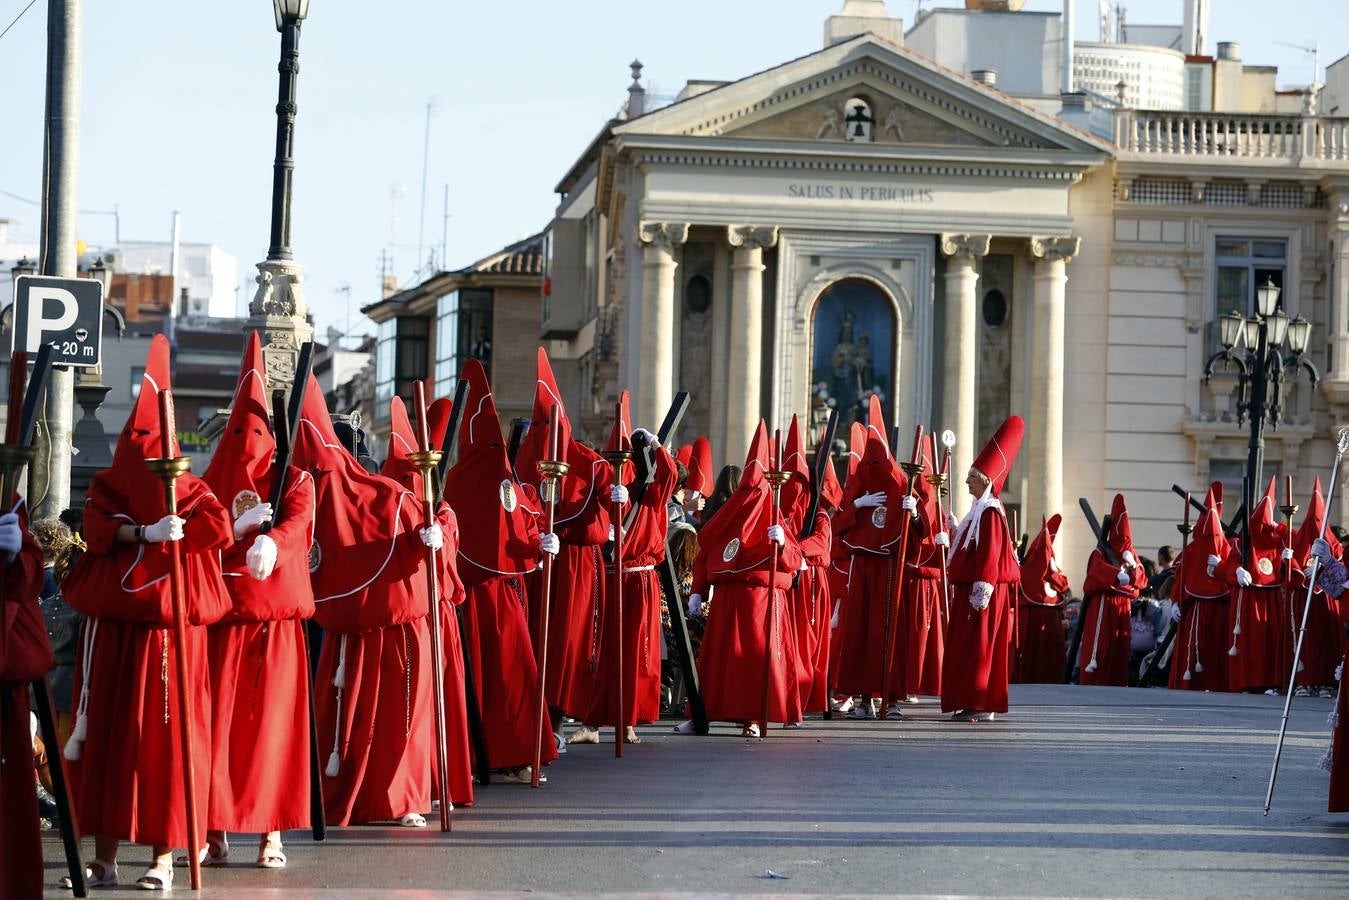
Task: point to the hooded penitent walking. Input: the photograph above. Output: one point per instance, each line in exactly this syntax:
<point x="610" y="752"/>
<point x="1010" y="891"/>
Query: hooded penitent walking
<point x="1203" y="635"/>
<point x="1041" y="650"/>
<point x="1105" y="651"/>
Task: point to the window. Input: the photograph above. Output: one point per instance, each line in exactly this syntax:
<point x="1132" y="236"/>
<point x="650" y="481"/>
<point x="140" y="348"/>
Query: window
<point x="590" y="301"/>
<point x="400" y="359"/>
<point x="137" y="374"/>
<point x="1245" y="264"/>
<point x="463" y="329"/>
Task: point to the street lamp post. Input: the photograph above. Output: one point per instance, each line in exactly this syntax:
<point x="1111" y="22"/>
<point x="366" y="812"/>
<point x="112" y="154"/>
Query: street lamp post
<point x="1263" y="370"/>
<point x="278" y="309"/>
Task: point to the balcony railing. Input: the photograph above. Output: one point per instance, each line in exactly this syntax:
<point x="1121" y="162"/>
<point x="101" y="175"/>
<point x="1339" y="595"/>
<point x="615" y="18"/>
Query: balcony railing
<point x="1227" y="138"/>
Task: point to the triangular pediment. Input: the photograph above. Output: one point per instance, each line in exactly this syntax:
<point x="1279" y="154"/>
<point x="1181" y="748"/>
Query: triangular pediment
<point x="909" y="101"/>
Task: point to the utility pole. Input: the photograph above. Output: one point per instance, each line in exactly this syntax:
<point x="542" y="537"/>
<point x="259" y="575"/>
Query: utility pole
<point x="49" y="480"/>
<point x="426" y="159"/>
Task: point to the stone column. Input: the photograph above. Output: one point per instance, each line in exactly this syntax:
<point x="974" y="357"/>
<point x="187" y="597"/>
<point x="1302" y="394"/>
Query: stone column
<point x="653" y="387"/>
<point x="279" y="314"/>
<point x="744" y="367"/>
<point x="1044" y="428"/>
<point x="959" y="400"/>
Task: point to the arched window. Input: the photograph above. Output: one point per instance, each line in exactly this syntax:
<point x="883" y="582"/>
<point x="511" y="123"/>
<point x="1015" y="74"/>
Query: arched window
<point x="853" y="351"/>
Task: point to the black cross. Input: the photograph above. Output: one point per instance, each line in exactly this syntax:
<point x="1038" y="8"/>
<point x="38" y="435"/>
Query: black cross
<point x="859" y="117"/>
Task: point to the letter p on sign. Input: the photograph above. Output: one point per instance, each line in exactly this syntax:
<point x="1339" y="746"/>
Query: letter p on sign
<point x="66" y="313"/>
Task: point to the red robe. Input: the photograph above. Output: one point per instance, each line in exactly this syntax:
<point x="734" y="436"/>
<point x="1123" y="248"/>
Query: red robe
<point x="25" y="655"/>
<point x="811" y="607"/>
<point x="452" y="596"/>
<point x="1204" y="633"/>
<point x="643" y="550"/>
<point x="259" y="673"/>
<point x="1258" y="623"/>
<point x="975" y="669"/>
<point x="1106" y="633"/>
<point x="923" y="604"/>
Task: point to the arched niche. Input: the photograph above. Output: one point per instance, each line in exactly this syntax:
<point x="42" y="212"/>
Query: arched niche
<point x="854" y="326"/>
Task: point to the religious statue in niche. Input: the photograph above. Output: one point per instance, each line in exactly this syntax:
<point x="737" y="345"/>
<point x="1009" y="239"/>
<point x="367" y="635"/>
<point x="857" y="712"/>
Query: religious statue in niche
<point x="852" y="356"/>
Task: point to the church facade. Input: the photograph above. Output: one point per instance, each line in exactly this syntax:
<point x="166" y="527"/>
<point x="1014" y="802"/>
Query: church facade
<point x="862" y="220"/>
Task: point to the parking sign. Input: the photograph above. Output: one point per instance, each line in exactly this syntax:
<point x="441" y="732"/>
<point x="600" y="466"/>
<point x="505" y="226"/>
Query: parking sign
<point x="64" y="312"/>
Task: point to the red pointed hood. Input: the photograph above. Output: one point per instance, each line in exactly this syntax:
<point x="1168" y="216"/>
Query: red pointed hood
<point x="700" y="468"/>
<point x="127" y="485"/>
<point x="622" y="431"/>
<point x="582" y="488"/>
<point x="996" y="459"/>
<point x="735" y="538"/>
<point x="240" y="472"/>
<point x="875" y="529"/>
<point x="831" y="492"/>
<point x="1042" y="581"/>
<point x="498" y="537"/>
<point x="1214" y="498"/>
<point x="402" y="444"/>
<point x="1267" y="532"/>
<point x="359" y="514"/>
<point x="684" y="456"/>
<point x="857" y="441"/>
<point x="1121" y="537"/>
<point x="1311" y="528"/>
<point x="796" y="492"/>
<point x="1206" y="540"/>
<point x="437" y="417"/>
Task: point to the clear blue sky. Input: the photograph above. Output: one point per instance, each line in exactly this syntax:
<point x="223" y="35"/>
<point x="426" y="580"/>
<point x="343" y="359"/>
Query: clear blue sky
<point x="179" y="97"/>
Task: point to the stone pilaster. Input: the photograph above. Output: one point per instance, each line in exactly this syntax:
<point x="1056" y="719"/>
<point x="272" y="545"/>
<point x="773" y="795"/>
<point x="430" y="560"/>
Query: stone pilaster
<point x="1044" y="430"/>
<point x="653" y="387"/>
<point x="744" y="366"/>
<point x="279" y="314"/>
<point x="959" y="397"/>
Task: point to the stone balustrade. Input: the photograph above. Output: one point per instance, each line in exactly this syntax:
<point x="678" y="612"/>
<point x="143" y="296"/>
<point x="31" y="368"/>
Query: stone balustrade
<point x="1231" y="137"/>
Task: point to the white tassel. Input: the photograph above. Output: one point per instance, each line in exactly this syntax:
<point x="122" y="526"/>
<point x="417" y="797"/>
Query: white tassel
<point x="74" y="748"/>
<point x="1096" y="637"/>
<point x="1325" y="762"/>
<point x="1232" y="650"/>
<point x="1333" y="720"/>
<point x="339" y="681"/>
<point x="1186" y="676"/>
<point x="1198" y="666"/>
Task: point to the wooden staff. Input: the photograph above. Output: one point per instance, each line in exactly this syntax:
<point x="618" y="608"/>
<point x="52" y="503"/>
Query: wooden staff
<point x="894" y="604"/>
<point x="940" y="485"/>
<point x="169" y="468"/>
<point x="617" y="459"/>
<point x="425" y="459"/>
<point x="551" y="471"/>
<point x="777" y="478"/>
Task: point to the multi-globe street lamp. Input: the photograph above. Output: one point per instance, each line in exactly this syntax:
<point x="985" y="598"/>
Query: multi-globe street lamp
<point x="1266" y="351"/>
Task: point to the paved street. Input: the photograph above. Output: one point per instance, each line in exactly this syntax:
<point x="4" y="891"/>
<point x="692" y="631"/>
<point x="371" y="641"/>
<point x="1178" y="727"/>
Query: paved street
<point x="1138" y="794"/>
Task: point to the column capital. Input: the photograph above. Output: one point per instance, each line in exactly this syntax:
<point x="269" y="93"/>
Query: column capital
<point x="1054" y="249"/>
<point x="663" y="234"/>
<point x="966" y="245"/>
<point x="752" y="237"/>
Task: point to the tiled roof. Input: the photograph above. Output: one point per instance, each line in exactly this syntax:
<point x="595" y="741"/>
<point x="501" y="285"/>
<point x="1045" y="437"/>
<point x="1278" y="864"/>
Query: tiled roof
<point x="521" y="258"/>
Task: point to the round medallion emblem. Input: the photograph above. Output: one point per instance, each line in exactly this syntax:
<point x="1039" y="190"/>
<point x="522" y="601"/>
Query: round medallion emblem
<point x="244" y="501"/>
<point x="878" y="516"/>
<point x="507" y="494"/>
<point x="315" y="557"/>
<point x="732" y="548"/>
<point x="1265" y="566"/>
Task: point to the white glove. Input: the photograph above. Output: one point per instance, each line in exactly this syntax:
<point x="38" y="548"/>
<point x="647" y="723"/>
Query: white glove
<point x="1129" y="559"/>
<point x="980" y="595"/>
<point x="1321" y="550"/>
<point x="252" y="519"/>
<point x="1243" y="577"/>
<point x="1213" y="560"/>
<point x="833" y="620"/>
<point x="618" y="494"/>
<point x="777" y="535"/>
<point x="1123" y="577"/>
<point x="651" y="439"/>
<point x="875" y="498"/>
<point x="169" y="528"/>
<point x="942" y="539"/>
<point x="804" y="565"/>
<point x="695" y="605"/>
<point x="692" y="496"/>
<point x="549" y="543"/>
<point x="261" y="557"/>
<point x="432" y="537"/>
<point x="11" y="535"/>
<point x="909" y="503"/>
<point x="1287" y="554"/>
<point x="951" y="523"/>
<point x="1175" y="612"/>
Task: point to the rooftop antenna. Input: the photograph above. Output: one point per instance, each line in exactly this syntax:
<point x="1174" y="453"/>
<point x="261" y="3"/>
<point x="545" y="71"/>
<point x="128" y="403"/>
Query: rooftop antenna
<point x="1315" y="51"/>
<point x="445" y="232"/>
<point x="431" y="105"/>
<point x="345" y="288"/>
